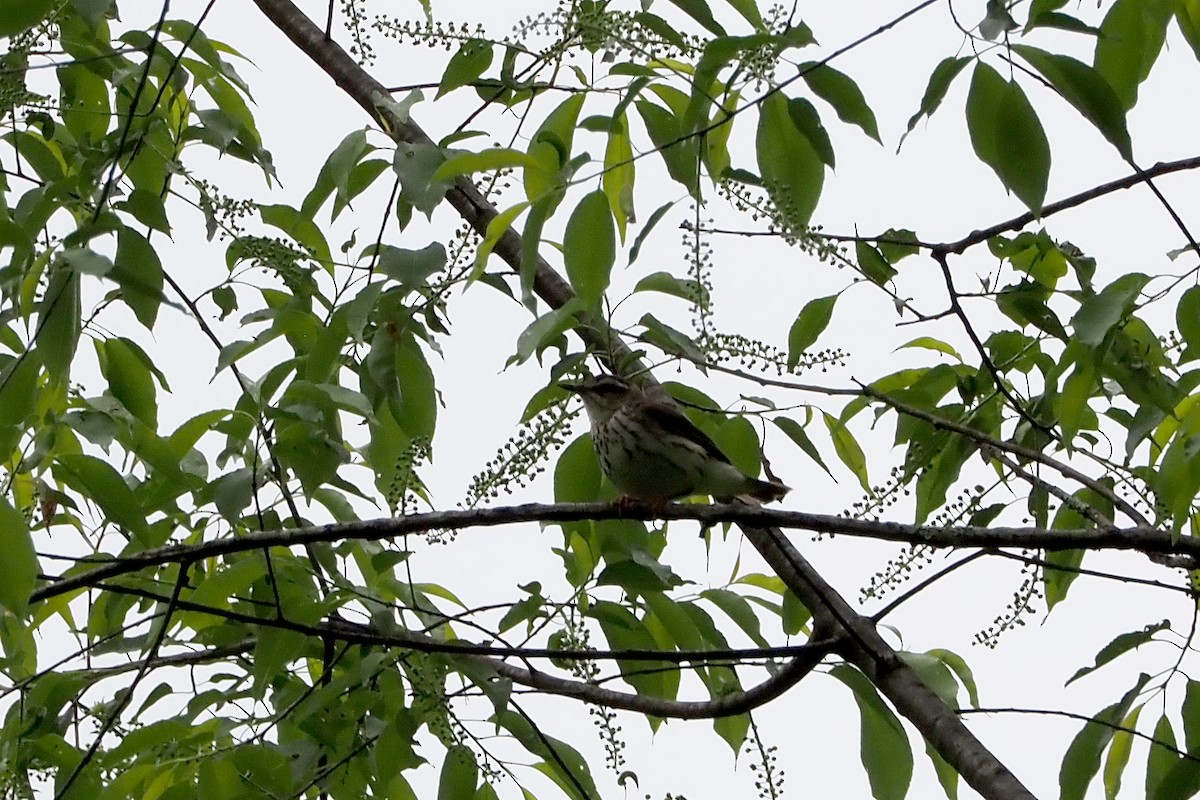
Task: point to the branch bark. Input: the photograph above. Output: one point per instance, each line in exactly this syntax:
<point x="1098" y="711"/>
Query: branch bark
<point x="1141" y="539"/>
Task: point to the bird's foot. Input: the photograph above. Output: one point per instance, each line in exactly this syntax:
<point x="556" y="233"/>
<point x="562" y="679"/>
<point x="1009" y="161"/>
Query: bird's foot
<point x="656" y="505"/>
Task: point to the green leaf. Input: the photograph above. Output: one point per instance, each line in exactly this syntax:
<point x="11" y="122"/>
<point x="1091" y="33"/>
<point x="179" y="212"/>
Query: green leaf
<point x="792" y="169"/>
<point x="930" y="343"/>
<point x="959" y="667"/>
<point x="1187" y="319"/>
<point x="1187" y="16"/>
<point x="624" y="631"/>
<point x="465" y="66"/>
<point x="947" y="775"/>
<point x="687" y="289"/>
<point x="848" y="450"/>
<point x="19" y="567"/>
<point x="680" y="154"/>
<point x="1118" y="754"/>
<point x="495" y="158"/>
<point x="335" y="172"/>
<point x="1025" y="304"/>
<point x="934" y="673"/>
<point x="104" y="486"/>
<point x="661" y="27"/>
<point x="619" y="173"/>
<point x="301" y="228"/>
<point x="873" y="264"/>
<point x="1082" y="760"/>
<point x="21" y="15"/>
<point x="85" y="103"/>
<point x="415" y="165"/>
<point x="1064" y="567"/>
<point x="810" y="323"/>
<point x="411" y="268"/>
<point x="577" y="475"/>
<point x="885" y="750"/>
<point x="545" y="331"/>
<point x="59" y="324"/>
<point x="658" y="214"/>
<point x="1086" y="90"/>
<point x="459" y="774"/>
<point x="124" y="366"/>
<point x="1161" y="760"/>
<point x="417" y="413"/>
<point x="148" y="209"/>
<point x="840" y="91"/>
<point x="935" y="92"/>
<point x="1101" y="313"/>
<point x="898" y="243"/>
<point x="794" y="615"/>
<point x="807" y="120"/>
<point x="671" y="340"/>
<point x="232" y="493"/>
<point x="497" y="227"/>
<point x="1007" y="135"/>
<point x="699" y="11"/>
<point x="590" y="247"/>
<point x="795" y="431"/>
<point x="18" y="389"/>
<point x="561" y="762"/>
<point x="738" y="609"/>
<point x="1038" y="8"/>
<point x="1131" y="37"/>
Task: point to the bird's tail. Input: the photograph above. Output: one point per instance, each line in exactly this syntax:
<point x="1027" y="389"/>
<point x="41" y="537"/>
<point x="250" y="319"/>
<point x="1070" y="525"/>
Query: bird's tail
<point x="767" y="491"/>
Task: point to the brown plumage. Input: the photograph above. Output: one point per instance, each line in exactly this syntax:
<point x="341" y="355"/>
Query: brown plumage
<point x="651" y="451"/>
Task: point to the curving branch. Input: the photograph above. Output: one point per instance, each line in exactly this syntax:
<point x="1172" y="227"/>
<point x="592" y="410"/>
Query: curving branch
<point x="803" y="659"/>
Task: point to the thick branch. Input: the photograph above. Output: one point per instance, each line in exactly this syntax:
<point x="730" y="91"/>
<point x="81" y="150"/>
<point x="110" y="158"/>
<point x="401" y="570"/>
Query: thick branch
<point x="1142" y="539"/>
<point x="935" y="720"/>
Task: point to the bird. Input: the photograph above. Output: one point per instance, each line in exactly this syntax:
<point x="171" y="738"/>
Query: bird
<point x="652" y="452"/>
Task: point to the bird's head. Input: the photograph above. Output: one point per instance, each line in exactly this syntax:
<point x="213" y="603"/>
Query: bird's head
<point x="602" y="394"/>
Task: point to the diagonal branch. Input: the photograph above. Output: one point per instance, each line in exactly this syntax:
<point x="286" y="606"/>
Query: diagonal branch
<point x="936" y="721"/>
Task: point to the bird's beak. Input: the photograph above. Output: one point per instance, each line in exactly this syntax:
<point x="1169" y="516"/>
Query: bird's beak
<point x="573" y="388"/>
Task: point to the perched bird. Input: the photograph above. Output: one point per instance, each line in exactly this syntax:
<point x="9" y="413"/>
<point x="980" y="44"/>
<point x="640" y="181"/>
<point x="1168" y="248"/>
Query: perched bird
<point x="652" y="452"/>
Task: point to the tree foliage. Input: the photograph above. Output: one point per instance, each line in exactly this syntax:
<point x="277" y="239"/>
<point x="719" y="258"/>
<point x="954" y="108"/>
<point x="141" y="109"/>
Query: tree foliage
<point x="223" y="593"/>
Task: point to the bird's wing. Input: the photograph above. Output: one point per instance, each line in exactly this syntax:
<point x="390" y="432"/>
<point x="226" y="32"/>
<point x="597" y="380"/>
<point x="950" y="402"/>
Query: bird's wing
<point x="676" y="422"/>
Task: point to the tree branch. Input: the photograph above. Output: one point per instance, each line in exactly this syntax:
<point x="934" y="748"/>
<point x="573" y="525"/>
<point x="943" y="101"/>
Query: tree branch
<point x="1142" y="539"/>
<point x="1018" y="222"/>
<point x="936" y="721"/>
<point x="803" y="659"/>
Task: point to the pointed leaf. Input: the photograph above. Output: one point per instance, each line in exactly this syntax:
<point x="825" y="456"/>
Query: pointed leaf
<point x="19" y="567"/>
<point x="885" y="750"/>
<point x="1082" y="761"/>
<point x="840" y="91"/>
<point x="1086" y="90"/>
<point x="810" y="323"/>
<point x="590" y="247"/>
<point x="791" y="168"/>
<point x="1007" y="135"/>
